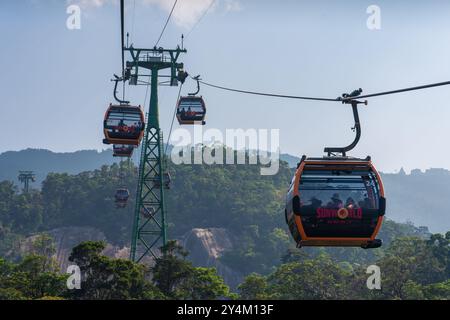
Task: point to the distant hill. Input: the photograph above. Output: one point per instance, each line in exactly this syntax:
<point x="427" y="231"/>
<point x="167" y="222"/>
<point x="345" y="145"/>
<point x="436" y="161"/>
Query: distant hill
<point x="420" y="197"/>
<point x="43" y="162"/>
<point x="291" y="160"/>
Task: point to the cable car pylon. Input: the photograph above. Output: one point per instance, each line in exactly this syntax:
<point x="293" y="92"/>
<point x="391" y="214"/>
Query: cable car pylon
<point x="26" y="177"/>
<point x="150" y="224"/>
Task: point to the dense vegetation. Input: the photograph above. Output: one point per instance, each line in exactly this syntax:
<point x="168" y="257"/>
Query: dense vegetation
<point x="414" y="263"/>
<point x="36" y="276"/>
<point x="427" y="207"/>
<point x="412" y="268"/>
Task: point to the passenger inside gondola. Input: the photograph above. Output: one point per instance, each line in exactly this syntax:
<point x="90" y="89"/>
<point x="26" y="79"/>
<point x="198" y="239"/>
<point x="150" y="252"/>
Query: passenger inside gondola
<point x="350" y="203"/>
<point x="192" y="114"/>
<point x="336" y="202"/>
<point x="124" y="129"/>
<point x="187" y="115"/>
<point x="349" y="189"/>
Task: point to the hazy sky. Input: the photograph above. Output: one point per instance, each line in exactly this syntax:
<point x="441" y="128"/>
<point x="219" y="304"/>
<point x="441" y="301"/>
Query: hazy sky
<point x="56" y="85"/>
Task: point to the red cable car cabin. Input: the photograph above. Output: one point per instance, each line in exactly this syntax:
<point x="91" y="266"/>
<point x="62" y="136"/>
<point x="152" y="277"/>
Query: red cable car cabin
<point x="191" y="110"/>
<point x="123" y="151"/>
<point x="124" y="125"/>
<point x="336" y="202"/>
<point x="121" y="197"/>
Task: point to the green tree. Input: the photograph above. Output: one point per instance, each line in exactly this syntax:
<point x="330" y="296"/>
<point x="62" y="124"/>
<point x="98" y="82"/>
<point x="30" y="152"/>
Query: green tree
<point x="319" y="278"/>
<point x="205" y="284"/>
<point x="105" y="278"/>
<point x="32" y="278"/>
<point x="178" y="279"/>
<point x="254" y="287"/>
<point x="438" y="291"/>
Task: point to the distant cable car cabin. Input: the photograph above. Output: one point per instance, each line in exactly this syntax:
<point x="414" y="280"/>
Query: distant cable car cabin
<point x="167" y="180"/>
<point x="124" y="125"/>
<point x="335" y="201"/>
<point x="121" y="197"/>
<point x="123" y="151"/>
<point x="191" y="110"/>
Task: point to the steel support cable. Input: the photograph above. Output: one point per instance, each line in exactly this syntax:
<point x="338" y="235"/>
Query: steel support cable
<point x="268" y="94"/>
<point x="340" y="99"/>
<point x="133" y="20"/>
<point x="167" y="22"/>
<point x="122" y="36"/>
<point x="145" y="103"/>
<point x="427" y="86"/>
<point x="173" y="119"/>
<point x="122" y="33"/>
<point x="201" y="18"/>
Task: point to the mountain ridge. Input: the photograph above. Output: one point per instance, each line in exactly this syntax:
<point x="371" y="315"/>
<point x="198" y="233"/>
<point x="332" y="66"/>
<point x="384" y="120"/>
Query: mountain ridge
<point x="420" y="197"/>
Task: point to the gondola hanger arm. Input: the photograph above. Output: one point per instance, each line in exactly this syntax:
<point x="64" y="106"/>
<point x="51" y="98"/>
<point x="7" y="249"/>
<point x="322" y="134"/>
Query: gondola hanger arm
<point x="116" y="80"/>
<point x="350" y="99"/>
<point x="198" y="79"/>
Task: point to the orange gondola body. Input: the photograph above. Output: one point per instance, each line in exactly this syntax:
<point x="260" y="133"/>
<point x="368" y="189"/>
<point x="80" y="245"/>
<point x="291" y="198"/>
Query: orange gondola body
<point x="123" y="151"/>
<point x="124" y="125"/>
<point x="191" y="110"/>
<point x="121" y="197"/>
<point x="335" y="201"/>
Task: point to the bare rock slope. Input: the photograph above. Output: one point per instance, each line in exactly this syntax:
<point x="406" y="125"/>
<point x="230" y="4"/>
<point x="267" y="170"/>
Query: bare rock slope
<point x="206" y="247"/>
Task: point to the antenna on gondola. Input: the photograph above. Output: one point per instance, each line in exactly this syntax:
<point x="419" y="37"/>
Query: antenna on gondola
<point x="348" y="99"/>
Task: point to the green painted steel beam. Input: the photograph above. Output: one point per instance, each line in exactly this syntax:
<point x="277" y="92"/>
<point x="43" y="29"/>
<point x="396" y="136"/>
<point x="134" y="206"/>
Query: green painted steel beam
<point x="150" y="221"/>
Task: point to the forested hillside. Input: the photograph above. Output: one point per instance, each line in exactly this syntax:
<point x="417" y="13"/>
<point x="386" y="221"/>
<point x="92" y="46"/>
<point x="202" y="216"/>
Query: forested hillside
<point x="419" y="197"/>
<point x="250" y="208"/>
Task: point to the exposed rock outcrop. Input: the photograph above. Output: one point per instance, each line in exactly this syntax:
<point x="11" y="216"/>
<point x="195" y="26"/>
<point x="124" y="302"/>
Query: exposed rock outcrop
<point x="67" y="238"/>
<point x="206" y="247"/>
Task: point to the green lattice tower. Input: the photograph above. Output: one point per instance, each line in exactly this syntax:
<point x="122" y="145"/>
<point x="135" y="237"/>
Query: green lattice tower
<point x="150" y="224"/>
<point x="26" y="177"/>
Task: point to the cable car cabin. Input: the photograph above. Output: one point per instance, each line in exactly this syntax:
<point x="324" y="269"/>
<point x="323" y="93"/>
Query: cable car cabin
<point x="123" y="151"/>
<point x="121" y="197"/>
<point x="335" y="202"/>
<point x="191" y="110"/>
<point x="124" y="125"/>
<point x="167" y="179"/>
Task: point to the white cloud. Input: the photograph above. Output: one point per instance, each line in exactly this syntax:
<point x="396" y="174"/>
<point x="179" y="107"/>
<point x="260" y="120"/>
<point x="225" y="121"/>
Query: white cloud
<point x="232" y="5"/>
<point x="186" y="13"/>
<point x="88" y="4"/>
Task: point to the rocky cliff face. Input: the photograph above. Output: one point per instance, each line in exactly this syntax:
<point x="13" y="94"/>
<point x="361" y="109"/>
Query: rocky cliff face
<point x="206" y="247"/>
<point x="67" y="238"/>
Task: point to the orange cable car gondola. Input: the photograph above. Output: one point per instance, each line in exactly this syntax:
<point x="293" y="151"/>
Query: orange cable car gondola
<point x="121" y="197"/>
<point x="191" y="109"/>
<point x="336" y="200"/>
<point x="124" y="125"/>
<point x="123" y="151"/>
